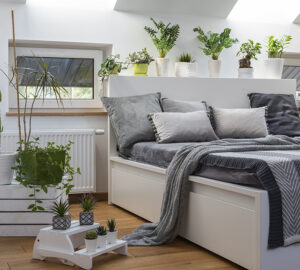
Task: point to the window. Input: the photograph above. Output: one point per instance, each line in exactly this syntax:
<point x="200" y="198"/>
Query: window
<point x="75" y="69"/>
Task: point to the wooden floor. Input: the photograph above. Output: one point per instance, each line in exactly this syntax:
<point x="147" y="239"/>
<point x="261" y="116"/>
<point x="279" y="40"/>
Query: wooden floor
<point x="16" y="252"/>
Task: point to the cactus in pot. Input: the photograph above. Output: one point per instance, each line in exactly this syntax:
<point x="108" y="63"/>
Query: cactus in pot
<point x="102" y="236"/>
<point x="86" y="216"/>
<point x="91" y="241"/>
<point x="7" y="159"/>
<point x="61" y="220"/>
<point x="112" y="233"/>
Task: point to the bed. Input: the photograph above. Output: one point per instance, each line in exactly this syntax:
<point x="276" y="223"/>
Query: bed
<point x="228" y="219"/>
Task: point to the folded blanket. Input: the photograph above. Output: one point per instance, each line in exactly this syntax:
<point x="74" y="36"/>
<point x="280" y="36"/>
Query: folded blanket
<point x="276" y="160"/>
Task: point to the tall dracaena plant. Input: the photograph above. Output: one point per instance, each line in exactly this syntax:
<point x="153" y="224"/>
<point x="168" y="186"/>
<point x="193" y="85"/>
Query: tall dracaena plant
<point x="163" y="37"/>
<point x="38" y="84"/>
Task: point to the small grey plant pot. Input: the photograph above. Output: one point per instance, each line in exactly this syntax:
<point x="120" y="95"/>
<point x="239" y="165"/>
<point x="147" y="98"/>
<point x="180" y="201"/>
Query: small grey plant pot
<point x="112" y="237"/>
<point x="86" y="218"/>
<point x="101" y="241"/>
<point x="61" y="223"/>
<point x="91" y="244"/>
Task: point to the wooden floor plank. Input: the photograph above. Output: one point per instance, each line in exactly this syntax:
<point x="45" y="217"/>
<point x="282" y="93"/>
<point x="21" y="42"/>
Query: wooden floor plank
<point x="16" y="252"/>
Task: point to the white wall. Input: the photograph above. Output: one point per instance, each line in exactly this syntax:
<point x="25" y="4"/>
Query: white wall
<point x="41" y="20"/>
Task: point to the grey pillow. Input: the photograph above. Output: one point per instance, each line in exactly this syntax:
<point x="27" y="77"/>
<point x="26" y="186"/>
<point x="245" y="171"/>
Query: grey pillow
<point x="128" y="117"/>
<point x="182" y="127"/>
<point x="170" y="105"/>
<point x="240" y="123"/>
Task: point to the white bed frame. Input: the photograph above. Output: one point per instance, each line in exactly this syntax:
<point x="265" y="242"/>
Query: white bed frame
<point x="227" y="219"/>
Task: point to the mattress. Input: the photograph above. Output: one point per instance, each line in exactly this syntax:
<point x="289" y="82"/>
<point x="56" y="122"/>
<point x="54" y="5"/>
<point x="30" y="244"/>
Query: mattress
<point x="162" y="154"/>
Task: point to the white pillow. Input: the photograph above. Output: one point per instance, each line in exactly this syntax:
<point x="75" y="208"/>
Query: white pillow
<point x="182" y="127"/>
<point x="240" y="123"/>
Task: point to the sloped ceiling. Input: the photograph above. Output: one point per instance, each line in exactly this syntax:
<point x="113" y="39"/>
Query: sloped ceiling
<point x="214" y="8"/>
<point x="297" y="20"/>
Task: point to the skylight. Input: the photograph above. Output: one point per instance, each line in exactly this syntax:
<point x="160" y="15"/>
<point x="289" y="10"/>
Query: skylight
<point x="268" y="11"/>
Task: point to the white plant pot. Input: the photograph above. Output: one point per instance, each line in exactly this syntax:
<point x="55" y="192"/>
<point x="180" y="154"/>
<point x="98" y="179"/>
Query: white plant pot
<point x="183" y="69"/>
<point x="245" y="73"/>
<point x="101" y="241"/>
<point x="7" y="160"/>
<point x="112" y="237"/>
<point x="274" y="68"/>
<point x="214" y="68"/>
<point x="91" y="245"/>
<point x="162" y="67"/>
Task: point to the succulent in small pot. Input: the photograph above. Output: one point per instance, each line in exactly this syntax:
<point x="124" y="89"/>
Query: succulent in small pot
<point x="110" y="67"/>
<point x="61" y="220"/>
<point x="212" y="45"/>
<point x="248" y="50"/>
<point x="275" y="49"/>
<point x="86" y="216"/>
<point x="112" y="233"/>
<point x="140" y="61"/>
<point x="102" y="236"/>
<point x="164" y="37"/>
<point x="91" y="241"/>
<point x="185" y="66"/>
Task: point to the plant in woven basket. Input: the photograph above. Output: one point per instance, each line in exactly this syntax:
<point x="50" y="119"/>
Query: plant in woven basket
<point x="61" y="219"/>
<point x="87" y="203"/>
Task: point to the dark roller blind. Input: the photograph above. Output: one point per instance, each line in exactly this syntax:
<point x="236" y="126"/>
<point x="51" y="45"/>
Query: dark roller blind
<point x="70" y="72"/>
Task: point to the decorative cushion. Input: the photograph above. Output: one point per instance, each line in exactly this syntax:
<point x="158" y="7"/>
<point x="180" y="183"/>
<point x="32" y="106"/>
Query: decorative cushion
<point x="182" y="127"/>
<point x="128" y="117"/>
<point x="282" y="117"/>
<point x="239" y="123"/>
<point x="169" y="105"/>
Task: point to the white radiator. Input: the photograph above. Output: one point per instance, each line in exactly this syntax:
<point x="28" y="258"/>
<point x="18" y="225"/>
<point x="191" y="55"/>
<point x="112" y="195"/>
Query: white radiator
<point x="82" y="152"/>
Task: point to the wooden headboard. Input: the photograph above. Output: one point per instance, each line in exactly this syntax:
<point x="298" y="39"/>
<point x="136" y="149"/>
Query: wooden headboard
<point x="222" y="92"/>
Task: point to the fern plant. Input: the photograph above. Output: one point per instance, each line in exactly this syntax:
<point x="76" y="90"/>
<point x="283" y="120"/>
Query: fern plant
<point x="248" y="50"/>
<point x="214" y="43"/>
<point x="186" y="57"/>
<point x="164" y="36"/>
<point x="60" y="208"/>
<point x="276" y="47"/>
<point x="111" y="224"/>
<point x="87" y="203"/>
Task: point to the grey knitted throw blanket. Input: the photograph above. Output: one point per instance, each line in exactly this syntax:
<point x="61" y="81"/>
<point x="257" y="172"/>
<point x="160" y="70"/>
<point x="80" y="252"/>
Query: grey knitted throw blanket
<point x="276" y="160"/>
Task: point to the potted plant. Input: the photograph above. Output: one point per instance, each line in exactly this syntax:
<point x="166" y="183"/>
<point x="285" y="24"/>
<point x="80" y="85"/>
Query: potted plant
<point x="185" y="66"/>
<point x="7" y="160"/>
<point x="91" y="241"/>
<point x="212" y="45"/>
<point x="110" y="67"/>
<point x="140" y="61"/>
<point x="39" y="168"/>
<point x="61" y="220"/>
<point x="102" y="235"/>
<point x="86" y="217"/>
<point x="164" y="37"/>
<point x="275" y="48"/>
<point x="248" y="50"/>
<point x="112" y="233"/>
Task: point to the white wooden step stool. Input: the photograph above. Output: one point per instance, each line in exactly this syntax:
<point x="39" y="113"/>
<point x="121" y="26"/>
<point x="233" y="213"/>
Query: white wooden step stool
<point x="62" y="244"/>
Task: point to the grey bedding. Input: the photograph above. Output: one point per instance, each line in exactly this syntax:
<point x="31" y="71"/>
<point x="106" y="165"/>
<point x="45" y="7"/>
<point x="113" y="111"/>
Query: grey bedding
<point x="162" y="154"/>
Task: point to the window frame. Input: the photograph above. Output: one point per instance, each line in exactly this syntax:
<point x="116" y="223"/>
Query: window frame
<point x="96" y="55"/>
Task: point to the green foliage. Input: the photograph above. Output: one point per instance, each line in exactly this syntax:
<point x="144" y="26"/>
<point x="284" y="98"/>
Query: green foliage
<point x="39" y="168"/>
<point x="60" y="208"/>
<point x="140" y="57"/>
<point x="87" y="202"/>
<point x="276" y="47"/>
<point x="214" y="43"/>
<point x="91" y="235"/>
<point x="163" y="36"/>
<point x="111" y="224"/>
<point x="250" y="49"/>
<point x="101" y="230"/>
<point x="186" y="57"/>
<point x="109" y="66"/>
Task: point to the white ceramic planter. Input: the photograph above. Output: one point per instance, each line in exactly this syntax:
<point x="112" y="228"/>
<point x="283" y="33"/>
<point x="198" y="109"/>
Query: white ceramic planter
<point x="101" y="241"/>
<point x="162" y="67"/>
<point x="214" y="68"/>
<point x="184" y="69"/>
<point x="91" y="245"/>
<point x="112" y="237"/>
<point x="7" y="160"/>
<point x="246" y="73"/>
<point x="274" y="68"/>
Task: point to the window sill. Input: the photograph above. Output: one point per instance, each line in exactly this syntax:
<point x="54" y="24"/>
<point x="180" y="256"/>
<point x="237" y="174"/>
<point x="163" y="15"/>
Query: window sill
<point x="99" y="112"/>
